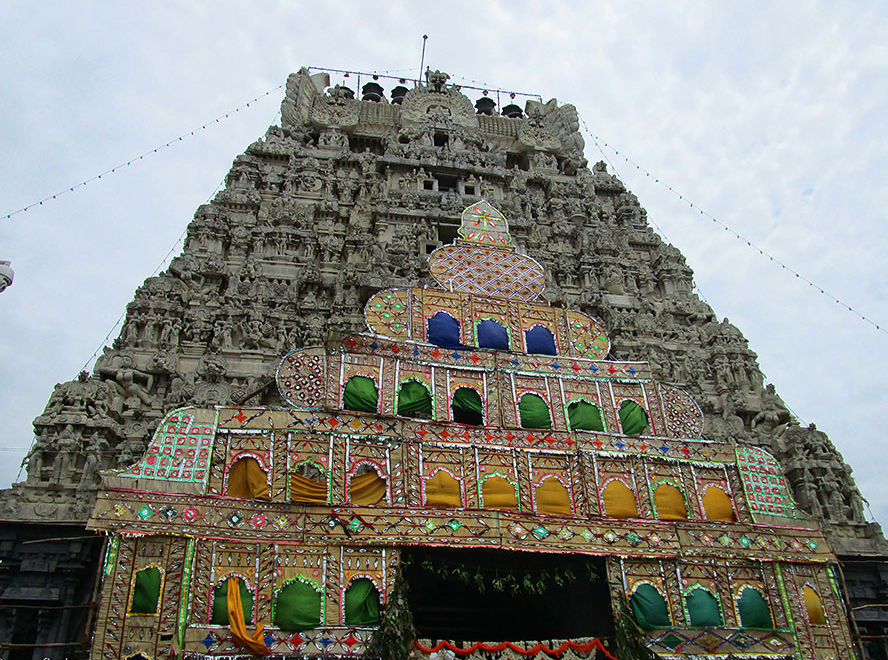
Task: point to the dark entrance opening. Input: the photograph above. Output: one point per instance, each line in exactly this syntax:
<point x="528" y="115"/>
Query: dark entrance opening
<point x="447" y="602"/>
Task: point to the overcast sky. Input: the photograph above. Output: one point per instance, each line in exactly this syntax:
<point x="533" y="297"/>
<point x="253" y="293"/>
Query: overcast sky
<point x="770" y="116"/>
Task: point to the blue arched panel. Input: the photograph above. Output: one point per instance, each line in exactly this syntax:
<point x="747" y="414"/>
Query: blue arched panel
<point x="540" y="341"/>
<point x="444" y="331"/>
<point x="492" y="335"/>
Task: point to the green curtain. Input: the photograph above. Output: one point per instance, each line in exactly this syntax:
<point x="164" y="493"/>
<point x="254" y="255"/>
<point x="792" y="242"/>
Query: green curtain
<point x="649" y="608"/>
<point x="297" y="607"/>
<point x="361" y="394"/>
<point x="534" y="412"/>
<point x="467" y="407"/>
<point x="754" y="610"/>
<point x="413" y="398"/>
<point x="361" y="603"/>
<point x="220" y="603"/>
<point x="703" y="609"/>
<point x="146" y="591"/>
<point x="584" y="416"/>
<point x="633" y="418"/>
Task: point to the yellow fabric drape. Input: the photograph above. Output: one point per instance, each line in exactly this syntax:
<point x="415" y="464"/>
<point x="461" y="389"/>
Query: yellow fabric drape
<point x="717" y="505"/>
<point x="619" y="501"/>
<point x="442" y="490"/>
<point x="366" y="489"/>
<point x="303" y="489"/>
<point x="498" y="493"/>
<point x="814" y="607"/>
<point x="552" y="497"/>
<point x="669" y="503"/>
<point x="248" y="480"/>
<point x="254" y="643"/>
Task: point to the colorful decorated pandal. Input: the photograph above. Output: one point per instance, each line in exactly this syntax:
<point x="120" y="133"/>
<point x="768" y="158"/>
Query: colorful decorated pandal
<point x="472" y="415"/>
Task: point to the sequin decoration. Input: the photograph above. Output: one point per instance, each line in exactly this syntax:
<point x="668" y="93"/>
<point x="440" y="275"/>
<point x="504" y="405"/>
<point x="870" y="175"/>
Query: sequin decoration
<point x="387" y="313"/>
<point x="764" y="483"/>
<point x="180" y="449"/>
<point x="482" y="223"/>
<point x="300" y="377"/>
<point x="492" y="272"/>
<point x="587" y="336"/>
<point x="684" y="419"/>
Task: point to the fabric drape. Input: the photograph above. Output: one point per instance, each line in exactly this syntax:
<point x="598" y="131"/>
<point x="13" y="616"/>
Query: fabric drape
<point x="414" y="398"/>
<point x="633" y="418"/>
<point x="669" y="503"/>
<point x="310" y="491"/>
<point x="146" y="591"/>
<point x="649" y="608"/>
<point x="584" y="416"/>
<point x="552" y="497"/>
<point x="366" y="489"/>
<point x="444" y="331"/>
<point x="254" y="642"/>
<point x="248" y="480"/>
<point x="540" y="341"/>
<point x="619" y="501"/>
<point x="492" y="335"/>
<point x="814" y="606"/>
<point x="703" y="609"/>
<point x="717" y="505"/>
<point x="297" y="607"/>
<point x="534" y="412"/>
<point x="442" y="490"/>
<point x="360" y="394"/>
<point x="361" y="603"/>
<point x="467" y="407"/>
<point x="754" y="610"/>
<point x="219" y="615"/>
<point x="498" y="493"/>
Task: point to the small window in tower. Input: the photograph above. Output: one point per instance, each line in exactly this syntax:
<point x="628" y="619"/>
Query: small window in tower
<point x="447" y="234"/>
<point x="447" y="183"/>
<point x="470" y="190"/>
<point x="441" y="138"/>
<point x="428" y="185"/>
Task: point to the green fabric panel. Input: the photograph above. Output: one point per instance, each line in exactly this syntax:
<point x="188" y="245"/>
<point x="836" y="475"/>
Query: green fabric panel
<point x="633" y="418"/>
<point x="413" y="397"/>
<point x="360" y="394"/>
<point x="584" y="416"/>
<point x="465" y="398"/>
<point x="297" y="607"/>
<point x="220" y="603"/>
<point x="703" y="609"/>
<point x="534" y="412"/>
<point x="361" y="603"/>
<point x="754" y="611"/>
<point x="146" y="591"/>
<point x="649" y="608"/>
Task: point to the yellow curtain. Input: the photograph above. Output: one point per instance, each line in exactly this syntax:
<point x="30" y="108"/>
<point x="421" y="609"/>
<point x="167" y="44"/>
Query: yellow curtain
<point x="253" y="643"/>
<point x="303" y="489"/>
<point x="717" y="505"/>
<point x="498" y="493"/>
<point x="814" y="607"/>
<point x="366" y="489"/>
<point x="442" y="490"/>
<point x="248" y="480"/>
<point x="552" y="497"/>
<point x="669" y="503"/>
<point x="619" y="501"/>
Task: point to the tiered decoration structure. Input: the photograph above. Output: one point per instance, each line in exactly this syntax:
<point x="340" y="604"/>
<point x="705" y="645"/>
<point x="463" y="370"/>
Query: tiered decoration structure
<point x="472" y="415"/>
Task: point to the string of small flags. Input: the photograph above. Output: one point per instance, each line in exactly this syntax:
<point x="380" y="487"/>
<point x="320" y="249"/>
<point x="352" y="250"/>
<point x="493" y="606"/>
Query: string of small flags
<point x="749" y="243"/>
<point x="135" y="159"/>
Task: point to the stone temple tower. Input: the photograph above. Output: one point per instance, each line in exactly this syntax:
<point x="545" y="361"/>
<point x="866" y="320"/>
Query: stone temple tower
<point x="347" y="197"/>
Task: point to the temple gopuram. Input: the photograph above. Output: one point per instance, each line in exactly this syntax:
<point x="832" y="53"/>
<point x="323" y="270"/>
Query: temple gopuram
<point x="422" y="379"/>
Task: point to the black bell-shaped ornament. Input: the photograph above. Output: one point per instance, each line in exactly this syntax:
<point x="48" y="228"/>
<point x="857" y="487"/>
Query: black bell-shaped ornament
<point x="485" y="105"/>
<point x="398" y="94"/>
<point x="512" y="111"/>
<point x="372" y="92"/>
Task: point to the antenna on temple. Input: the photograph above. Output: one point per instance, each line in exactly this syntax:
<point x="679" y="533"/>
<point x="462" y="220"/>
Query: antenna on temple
<point x="422" y="59"/>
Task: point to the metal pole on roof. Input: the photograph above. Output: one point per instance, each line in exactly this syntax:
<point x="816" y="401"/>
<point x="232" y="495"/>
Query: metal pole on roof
<point x="422" y="60"/>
